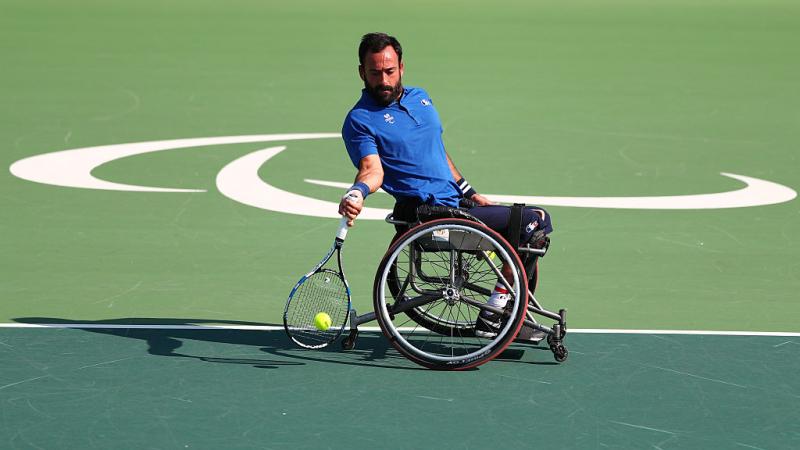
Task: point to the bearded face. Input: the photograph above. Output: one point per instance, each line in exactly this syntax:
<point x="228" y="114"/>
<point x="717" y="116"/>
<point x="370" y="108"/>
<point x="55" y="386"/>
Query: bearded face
<point x="382" y="73"/>
<point x="385" y="94"/>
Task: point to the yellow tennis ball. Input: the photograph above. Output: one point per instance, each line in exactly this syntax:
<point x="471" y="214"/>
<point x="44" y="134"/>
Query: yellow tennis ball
<point x="322" y="321"/>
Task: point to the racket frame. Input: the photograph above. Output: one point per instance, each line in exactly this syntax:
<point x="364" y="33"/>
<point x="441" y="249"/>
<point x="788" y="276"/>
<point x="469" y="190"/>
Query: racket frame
<point x="338" y="243"/>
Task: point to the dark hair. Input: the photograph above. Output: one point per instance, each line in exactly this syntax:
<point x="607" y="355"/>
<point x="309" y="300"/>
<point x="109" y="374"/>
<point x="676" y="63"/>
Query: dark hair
<point x="375" y="42"/>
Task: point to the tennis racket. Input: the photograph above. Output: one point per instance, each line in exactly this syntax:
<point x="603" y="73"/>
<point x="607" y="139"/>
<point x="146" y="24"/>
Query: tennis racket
<point x="322" y="290"/>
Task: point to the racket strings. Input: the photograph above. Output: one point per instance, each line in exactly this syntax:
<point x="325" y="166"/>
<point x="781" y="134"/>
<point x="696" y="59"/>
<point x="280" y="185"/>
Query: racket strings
<point x="322" y="292"/>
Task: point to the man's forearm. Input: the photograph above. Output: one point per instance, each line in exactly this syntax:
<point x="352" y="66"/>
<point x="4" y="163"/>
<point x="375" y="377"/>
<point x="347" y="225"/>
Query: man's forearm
<point x="466" y="189"/>
<point x="370" y="173"/>
<point x="372" y="178"/>
<point x="453" y="169"/>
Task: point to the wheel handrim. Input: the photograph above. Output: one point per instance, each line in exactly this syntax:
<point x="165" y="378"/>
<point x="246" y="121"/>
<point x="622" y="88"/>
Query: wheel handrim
<point x="469" y="347"/>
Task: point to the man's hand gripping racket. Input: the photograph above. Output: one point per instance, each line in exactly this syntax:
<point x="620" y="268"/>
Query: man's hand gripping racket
<point x="322" y="290"/>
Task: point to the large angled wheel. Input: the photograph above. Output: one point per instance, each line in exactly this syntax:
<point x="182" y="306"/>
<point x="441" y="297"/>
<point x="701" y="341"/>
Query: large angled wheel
<point x="432" y="284"/>
<point x="429" y="318"/>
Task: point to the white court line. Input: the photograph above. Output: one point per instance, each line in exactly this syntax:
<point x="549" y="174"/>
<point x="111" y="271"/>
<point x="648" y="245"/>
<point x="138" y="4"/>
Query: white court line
<point x="279" y="328"/>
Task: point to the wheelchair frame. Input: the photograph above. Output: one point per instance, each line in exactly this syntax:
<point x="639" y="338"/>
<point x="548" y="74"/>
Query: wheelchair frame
<point x="554" y="334"/>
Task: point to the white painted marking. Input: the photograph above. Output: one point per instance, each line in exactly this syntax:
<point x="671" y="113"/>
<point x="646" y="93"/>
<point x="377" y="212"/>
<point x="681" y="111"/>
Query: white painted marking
<point x="73" y="168"/>
<point x="336" y="184"/>
<point x="239" y="181"/>
<point x="372" y="329"/>
<point x="117" y="326"/>
<point x="756" y="192"/>
<point x="684" y="332"/>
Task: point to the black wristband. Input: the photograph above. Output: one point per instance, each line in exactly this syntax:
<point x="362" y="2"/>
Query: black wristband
<point x="466" y="189"/>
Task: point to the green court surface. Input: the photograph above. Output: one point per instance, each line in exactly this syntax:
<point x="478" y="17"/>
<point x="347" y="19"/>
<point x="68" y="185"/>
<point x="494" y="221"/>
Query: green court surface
<point x="607" y="98"/>
<point x="243" y="389"/>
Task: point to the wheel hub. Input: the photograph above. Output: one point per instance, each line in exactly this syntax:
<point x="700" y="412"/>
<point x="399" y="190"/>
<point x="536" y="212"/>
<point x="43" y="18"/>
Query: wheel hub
<point x="451" y="295"/>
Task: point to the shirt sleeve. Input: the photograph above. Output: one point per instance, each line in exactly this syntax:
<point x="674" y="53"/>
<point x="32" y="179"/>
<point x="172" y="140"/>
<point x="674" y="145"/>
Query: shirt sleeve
<point x="358" y="140"/>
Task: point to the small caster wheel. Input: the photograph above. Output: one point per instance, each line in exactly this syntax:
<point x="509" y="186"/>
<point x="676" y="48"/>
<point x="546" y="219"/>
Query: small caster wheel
<point x="349" y="342"/>
<point x="560" y="353"/>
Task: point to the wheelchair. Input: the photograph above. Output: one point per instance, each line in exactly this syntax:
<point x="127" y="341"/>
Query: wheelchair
<point x="435" y="279"/>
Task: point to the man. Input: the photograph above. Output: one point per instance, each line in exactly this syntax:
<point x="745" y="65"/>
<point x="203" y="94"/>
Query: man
<point x="393" y="136"/>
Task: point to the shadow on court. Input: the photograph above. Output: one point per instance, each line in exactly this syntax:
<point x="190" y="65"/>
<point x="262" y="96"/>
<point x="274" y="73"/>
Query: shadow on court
<point x="372" y="349"/>
<point x="166" y="337"/>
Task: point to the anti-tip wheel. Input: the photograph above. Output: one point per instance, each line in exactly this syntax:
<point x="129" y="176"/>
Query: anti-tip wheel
<point x="560" y="353"/>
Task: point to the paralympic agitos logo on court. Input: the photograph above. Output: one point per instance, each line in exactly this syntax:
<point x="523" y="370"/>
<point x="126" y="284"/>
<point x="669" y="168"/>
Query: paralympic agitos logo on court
<point x="239" y="180"/>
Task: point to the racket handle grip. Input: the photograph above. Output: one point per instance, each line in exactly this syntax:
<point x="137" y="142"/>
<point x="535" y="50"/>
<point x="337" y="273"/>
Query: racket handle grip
<point x="341" y="234"/>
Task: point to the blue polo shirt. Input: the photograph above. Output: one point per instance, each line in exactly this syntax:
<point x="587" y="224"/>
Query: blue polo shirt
<point x="407" y="135"/>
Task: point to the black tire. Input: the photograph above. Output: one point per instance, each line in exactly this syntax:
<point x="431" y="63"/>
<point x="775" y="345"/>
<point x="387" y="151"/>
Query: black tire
<point x="456" y="346"/>
<point x="560" y="353"/>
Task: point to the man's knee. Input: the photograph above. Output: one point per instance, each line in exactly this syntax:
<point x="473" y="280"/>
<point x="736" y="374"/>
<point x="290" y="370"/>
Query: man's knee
<point x="536" y="219"/>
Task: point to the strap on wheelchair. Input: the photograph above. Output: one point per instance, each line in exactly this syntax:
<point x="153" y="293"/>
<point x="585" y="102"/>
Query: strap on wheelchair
<point x="427" y="213"/>
<point x="515" y="225"/>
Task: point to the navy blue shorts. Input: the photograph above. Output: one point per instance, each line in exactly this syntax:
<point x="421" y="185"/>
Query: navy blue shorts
<point x="497" y="217"/>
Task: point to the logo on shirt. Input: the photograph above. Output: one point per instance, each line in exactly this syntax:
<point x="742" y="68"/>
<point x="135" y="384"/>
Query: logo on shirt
<point x="426" y="102"/>
<point x="388" y="118"/>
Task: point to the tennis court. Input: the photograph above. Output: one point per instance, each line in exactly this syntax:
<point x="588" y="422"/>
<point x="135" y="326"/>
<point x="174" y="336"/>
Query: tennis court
<point x="151" y="317"/>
